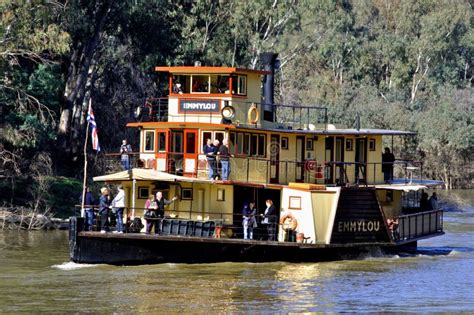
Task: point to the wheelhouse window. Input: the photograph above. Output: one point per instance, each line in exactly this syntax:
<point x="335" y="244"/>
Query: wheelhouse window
<point x="200" y="84"/>
<point x="220" y="84"/>
<point x="191" y="143"/>
<point x="149" y="141"/>
<point x="239" y="85"/>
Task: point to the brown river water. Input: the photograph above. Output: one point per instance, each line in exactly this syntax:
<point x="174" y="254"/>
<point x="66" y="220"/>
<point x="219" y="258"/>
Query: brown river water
<point x="36" y="276"/>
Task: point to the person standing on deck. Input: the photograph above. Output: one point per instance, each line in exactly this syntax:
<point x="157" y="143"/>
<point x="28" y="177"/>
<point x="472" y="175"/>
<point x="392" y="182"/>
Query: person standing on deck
<point x="150" y="213"/>
<point x="104" y="207"/>
<point x="89" y="203"/>
<point x="125" y="150"/>
<point x="224" y="159"/>
<point x="269" y="219"/>
<point x="211" y="159"/>
<point x="387" y="165"/>
<point x="215" y="151"/>
<point x="161" y="202"/>
<point x="249" y="222"/>
<point x="434" y="201"/>
<point x="119" y="204"/>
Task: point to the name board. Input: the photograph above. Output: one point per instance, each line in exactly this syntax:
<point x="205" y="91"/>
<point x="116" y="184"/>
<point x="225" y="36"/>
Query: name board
<point x="199" y="106"/>
<point x="358" y="218"/>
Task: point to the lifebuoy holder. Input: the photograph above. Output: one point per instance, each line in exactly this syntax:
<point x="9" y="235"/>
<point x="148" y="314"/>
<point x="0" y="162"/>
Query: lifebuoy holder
<point x="253" y="116"/>
<point x="292" y="225"/>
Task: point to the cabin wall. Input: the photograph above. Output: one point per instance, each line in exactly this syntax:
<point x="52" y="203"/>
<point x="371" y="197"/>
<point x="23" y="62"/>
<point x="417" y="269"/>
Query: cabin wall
<point x="303" y="212"/>
<point x="324" y="206"/>
<point x="374" y="157"/>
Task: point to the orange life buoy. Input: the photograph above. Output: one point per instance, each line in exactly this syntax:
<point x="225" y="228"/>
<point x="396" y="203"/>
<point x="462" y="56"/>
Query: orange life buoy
<point x="293" y="222"/>
<point x="253" y="115"/>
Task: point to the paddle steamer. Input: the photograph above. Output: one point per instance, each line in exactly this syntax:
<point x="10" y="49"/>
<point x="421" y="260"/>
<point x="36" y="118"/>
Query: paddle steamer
<point x="327" y="181"/>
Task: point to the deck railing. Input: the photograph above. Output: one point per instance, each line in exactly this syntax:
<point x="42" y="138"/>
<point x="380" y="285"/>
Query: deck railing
<point x="264" y="170"/>
<point x="417" y="225"/>
<point x="289" y="116"/>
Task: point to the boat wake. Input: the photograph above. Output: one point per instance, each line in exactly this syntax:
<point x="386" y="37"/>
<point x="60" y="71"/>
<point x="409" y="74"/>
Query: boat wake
<point x="72" y="266"/>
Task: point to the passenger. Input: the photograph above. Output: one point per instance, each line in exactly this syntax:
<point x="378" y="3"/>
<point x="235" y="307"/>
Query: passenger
<point x="249" y="221"/>
<point x="177" y="88"/>
<point x="269" y="219"/>
<point x="150" y="213"/>
<point x="211" y="159"/>
<point x="424" y="202"/>
<point x="119" y="204"/>
<point x="393" y="228"/>
<point x="224" y="155"/>
<point x="104" y="207"/>
<point x="161" y="202"/>
<point x="434" y="201"/>
<point x="387" y="165"/>
<point x="215" y="149"/>
<point x="125" y="150"/>
<point x="89" y="203"/>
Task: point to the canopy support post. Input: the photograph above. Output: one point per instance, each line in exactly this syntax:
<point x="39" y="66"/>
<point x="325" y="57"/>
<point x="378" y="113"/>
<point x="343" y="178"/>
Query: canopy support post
<point x="134" y="183"/>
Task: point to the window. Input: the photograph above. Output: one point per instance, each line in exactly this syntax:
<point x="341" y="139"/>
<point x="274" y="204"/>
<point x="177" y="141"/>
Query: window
<point x="143" y="192"/>
<point x="220" y="84"/>
<point x="240" y="143"/>
<point x="190" y="142"/>
<point x="177" y="142"/>
<point x="232" y="146"/>
<point x="284" y="143"/>
<point x="186" y="194"/>
<point x="239" y="85"/>
<point x="372" y="145"/>
<point x="149" y="140"/>
<point x="309" y="144"/>
<point x="253" y="145"/>
<point x="348" y="144"/>
<point x="213" y="135"/>
<point x="184" y="82"/>
<point x="220" y="194"/>
<point x="261" y="145"/>
<point x="200" y="84"/>
<point x="161" y="141"/>
<point x="205" y="135"/>
<point x="246" y="149"/>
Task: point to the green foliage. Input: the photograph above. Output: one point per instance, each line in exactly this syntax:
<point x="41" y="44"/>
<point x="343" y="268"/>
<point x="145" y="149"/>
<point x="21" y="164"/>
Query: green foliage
<point x="399" y="64"/>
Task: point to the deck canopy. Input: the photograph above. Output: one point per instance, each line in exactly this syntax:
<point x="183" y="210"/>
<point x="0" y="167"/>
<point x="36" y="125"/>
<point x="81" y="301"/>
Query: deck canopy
<point x="146" y="174"/>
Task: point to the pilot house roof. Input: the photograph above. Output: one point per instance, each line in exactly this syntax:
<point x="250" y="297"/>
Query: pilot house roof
<point x="209" y="70"/>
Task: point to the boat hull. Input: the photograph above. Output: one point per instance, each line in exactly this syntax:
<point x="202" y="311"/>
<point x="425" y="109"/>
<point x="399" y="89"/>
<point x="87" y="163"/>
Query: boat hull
<point x="136" y="249"/>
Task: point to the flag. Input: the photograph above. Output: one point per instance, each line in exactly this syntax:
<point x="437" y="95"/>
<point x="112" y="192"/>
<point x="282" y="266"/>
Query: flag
<point x="93" y="125"/>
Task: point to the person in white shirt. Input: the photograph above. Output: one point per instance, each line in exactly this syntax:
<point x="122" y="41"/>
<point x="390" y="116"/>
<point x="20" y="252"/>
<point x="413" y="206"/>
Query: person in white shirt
<point x="119" y="204"/>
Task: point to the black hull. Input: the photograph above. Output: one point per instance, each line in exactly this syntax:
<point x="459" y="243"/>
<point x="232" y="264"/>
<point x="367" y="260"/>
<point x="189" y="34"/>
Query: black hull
<point x="136" y="249"/>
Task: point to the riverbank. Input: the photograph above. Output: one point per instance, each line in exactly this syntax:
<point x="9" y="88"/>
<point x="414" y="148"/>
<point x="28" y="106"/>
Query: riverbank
<point x="21" y="218"/>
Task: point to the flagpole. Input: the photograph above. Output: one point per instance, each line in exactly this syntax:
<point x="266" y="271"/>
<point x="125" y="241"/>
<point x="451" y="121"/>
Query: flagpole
<point x="85" y="168"/>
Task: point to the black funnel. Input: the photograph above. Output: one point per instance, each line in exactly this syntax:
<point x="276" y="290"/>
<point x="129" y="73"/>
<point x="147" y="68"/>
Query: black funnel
<point x="268" y="61"/>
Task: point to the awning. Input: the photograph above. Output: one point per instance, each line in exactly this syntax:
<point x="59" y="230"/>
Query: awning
<point x="147" y="174"/>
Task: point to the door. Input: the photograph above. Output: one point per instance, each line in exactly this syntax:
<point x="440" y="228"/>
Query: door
<point x="176" y="152"/>
<point x="339" y="158"/>
<point x="274" y="159"/>
<point x="361" y="159"/>
<point x="190" y="151"/>
<point x="300" y="158"/>
<point x="329" y="157"/>
<point x="161" y="156"/>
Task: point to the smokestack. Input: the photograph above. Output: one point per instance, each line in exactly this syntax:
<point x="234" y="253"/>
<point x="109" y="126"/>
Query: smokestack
<point x="268" y="61"/>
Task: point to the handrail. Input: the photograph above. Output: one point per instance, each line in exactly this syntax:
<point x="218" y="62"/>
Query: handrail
<point x="411" y="226"/>
<point x="339" y="172"/>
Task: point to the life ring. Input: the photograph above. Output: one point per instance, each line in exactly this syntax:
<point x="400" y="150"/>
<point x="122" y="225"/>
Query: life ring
<point x="293" y="221"/>
<point x="253" y="115"/>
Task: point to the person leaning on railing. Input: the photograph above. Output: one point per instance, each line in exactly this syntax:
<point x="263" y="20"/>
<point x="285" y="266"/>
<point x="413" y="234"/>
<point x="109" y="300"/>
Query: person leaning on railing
<point x="104" y="206"/>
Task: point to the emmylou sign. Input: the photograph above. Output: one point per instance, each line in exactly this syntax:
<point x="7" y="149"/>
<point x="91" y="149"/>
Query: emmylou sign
<point x="199" y="106"/>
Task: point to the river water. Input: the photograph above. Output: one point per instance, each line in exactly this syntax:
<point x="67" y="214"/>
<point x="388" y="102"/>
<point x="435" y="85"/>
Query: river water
<point x="35" y="276"/>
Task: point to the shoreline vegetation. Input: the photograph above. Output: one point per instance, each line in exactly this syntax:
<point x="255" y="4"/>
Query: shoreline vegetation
<point x="404" y="65"/>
